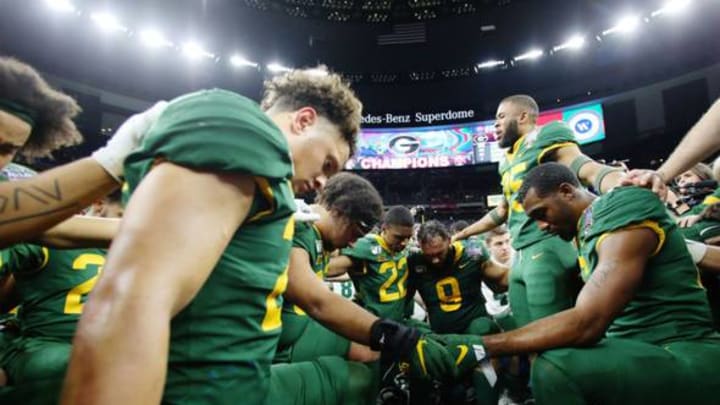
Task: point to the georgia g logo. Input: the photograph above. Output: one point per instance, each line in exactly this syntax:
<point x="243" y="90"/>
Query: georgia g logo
<point x="404" y="144"/>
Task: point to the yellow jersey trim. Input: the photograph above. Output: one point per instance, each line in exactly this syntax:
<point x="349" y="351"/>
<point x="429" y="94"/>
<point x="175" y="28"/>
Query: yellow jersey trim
<point x="552" y="148"/>
<point x="459" y="250"/>
<point x="266" y="191"/>
<point x="652" y="225"/>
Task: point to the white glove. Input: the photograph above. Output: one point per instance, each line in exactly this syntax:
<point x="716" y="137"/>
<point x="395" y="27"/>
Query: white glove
<point x="126" y="139"/>
<point x="304" y="212"/>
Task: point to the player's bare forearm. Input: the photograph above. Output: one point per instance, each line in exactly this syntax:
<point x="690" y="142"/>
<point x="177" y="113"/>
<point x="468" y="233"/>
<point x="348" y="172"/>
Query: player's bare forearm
<point x="120" y="349"/>
<point x="338" y="266"/>
<point x="567" y="328"/>
<point x="29" y="207"/>
<point x="491" y="220"/>
<point x="121" y="361"/>
<point x="80" y="232"/>
<point x="343" y="317"/>
<point x="333" y="311"/>
<point x="701" y="141"/>
<point x="496" y="276"/>
<point x="602" y="178"/>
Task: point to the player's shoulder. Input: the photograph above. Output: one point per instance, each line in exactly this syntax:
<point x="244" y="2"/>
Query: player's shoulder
<point x="466" y="253"/>
<point x="220" y="109"/>
<point x="552" y="133"/>
<point x="622" y="207"/>
<point x="211" y="101"/>
<point x="304" y="236"/>
<point x="364" y="247"/>
<point x="626" y="200"/>
<point x="303" y="229"/>
<point x="367" y="241"/>
<point x="218" y="130"/>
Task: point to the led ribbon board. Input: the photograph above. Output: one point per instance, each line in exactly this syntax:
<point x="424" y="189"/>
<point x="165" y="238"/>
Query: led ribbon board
<point x="461" y="144"/>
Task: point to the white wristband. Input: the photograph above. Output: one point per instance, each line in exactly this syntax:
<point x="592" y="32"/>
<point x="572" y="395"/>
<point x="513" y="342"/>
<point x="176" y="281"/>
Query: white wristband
<point x="697" y="250"/>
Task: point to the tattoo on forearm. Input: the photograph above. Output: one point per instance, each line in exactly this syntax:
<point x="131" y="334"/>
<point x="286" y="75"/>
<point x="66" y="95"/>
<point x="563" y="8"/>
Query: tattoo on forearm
<point x="19" y="196"/>
<point x="601" y="273"/>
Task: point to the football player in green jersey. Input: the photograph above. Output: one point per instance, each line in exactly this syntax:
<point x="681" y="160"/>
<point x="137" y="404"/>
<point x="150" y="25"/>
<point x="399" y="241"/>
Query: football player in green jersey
<point x="448" y="278"/>
<point x="192" y="288"/>
<point x="544" y="278"/>
<point x="641" y="330"/>
<point x="50" y="287"/>
<point x="35" y="120"/>
<point x="349" y="206"/>
<point x="377" y="265"/>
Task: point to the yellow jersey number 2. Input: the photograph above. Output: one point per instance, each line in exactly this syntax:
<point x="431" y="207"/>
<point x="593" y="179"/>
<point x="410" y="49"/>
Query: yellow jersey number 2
<point x="394" y="269"/>
<point x="74" y="299"/>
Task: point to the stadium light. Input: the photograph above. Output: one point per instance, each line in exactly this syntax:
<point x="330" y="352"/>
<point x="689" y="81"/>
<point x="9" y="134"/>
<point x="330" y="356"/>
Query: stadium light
<point x="277" y="68"/>
<point x="107" y="22"/>
<point x="672" y="7"/>
<point x="65" y="6"/>
<point x="532" y="54"/>
<point x="154" y="39"/>
<point x="575" y="42"/>
<point x="195" y="51"/>
<point x="239" y="61"/>
<point x="490" y="64"/>
<point x="625" y="25"/>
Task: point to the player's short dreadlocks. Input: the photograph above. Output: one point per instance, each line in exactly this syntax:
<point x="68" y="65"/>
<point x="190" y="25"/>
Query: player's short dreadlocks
<point x="353" y="197"/>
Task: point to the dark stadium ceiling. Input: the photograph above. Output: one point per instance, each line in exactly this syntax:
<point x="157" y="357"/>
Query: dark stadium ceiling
<point x="494" y="45"/>
<point x="375" y="11"/>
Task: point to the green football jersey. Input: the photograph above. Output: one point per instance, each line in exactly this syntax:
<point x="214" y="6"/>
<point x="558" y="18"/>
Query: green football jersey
<point x="223" y="341"/>
<point x="381" y="279"/>
<point x="702" y="230"/>
<point x="528" y="152"/>
<point x="13" y="171"/>
<point x="669" y="304"/>
<point x="452" y="294"/>
<point x="308" y="238"/>
<point x="52" y="285"/>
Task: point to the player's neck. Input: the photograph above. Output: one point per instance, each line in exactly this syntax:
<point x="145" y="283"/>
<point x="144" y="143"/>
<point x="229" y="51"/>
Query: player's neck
<point x="584" y="200"/>
<point x="324" y="224"/>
